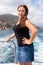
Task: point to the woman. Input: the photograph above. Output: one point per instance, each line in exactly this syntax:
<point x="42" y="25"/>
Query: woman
<point x="25" y="54"/>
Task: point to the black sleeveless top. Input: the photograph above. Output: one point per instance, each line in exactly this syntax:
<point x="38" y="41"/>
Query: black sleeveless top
<point x="21" y="32"/>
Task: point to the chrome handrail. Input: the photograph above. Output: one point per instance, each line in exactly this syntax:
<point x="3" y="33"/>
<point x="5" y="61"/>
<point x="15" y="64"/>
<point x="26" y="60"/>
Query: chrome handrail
<point x="14" y="48"/>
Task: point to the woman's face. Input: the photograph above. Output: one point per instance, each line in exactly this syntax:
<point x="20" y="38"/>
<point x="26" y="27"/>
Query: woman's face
<point x="21" y="12"/>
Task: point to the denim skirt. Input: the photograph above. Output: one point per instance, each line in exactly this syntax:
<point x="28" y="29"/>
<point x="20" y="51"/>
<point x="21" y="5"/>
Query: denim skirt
<point x="25" y="53"/>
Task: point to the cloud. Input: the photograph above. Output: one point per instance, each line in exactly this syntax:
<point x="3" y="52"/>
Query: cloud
<point x="35" y="9"/>
<point x="5" y="2"/>
<point x="10" y="6"/>
<point x="36" y="13"/>
<point x="7" y="10"/>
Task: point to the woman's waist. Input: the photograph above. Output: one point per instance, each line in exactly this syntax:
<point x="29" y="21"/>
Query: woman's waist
<point x="20" y="44"/>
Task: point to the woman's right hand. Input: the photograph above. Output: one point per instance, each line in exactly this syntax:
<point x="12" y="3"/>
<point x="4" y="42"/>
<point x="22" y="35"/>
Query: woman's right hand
<point x="11" y="36"/>
<point x="7" y="40"/>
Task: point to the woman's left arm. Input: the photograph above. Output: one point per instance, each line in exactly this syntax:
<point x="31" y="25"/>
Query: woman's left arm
<point x="33" y="30"/>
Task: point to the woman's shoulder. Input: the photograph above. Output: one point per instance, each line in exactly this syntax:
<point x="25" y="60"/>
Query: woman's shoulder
<point x="27" y="22"/>
<point x="30" y="25"/>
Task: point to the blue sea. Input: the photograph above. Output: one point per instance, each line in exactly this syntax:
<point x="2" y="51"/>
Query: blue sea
<point x="8" y="49"/>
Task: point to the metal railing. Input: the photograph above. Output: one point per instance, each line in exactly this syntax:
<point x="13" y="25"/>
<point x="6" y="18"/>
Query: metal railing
<point x="14" y="48"/>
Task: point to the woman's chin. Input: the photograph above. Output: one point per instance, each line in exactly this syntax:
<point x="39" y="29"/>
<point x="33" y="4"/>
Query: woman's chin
<point x="20" y="17"/>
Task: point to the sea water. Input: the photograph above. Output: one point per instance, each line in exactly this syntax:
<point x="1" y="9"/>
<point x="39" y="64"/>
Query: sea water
<point x="8" y="49"/>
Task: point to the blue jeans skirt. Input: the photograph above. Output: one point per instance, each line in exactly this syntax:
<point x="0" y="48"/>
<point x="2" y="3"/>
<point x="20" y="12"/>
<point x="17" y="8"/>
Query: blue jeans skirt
<point x="25" y="53"/>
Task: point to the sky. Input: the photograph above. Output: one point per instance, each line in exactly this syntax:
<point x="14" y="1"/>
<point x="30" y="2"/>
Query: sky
<point x="35" y="7"/>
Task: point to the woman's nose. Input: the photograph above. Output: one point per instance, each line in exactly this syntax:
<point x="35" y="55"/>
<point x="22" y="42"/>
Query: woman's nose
<point x="20" y="12"/>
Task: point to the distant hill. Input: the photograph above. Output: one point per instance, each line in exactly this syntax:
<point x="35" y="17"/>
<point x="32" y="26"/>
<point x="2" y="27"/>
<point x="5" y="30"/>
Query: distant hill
<point x="7" y="21"/>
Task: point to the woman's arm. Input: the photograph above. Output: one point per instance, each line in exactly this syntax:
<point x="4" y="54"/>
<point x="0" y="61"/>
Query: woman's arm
<point x="9" y="38"/>
<point x="33" y="30"/>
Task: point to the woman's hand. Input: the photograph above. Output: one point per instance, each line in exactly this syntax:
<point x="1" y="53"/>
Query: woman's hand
<point x="26" y="41"/>
<point x="10" y="37"/>
<point x="7" y="40"/>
